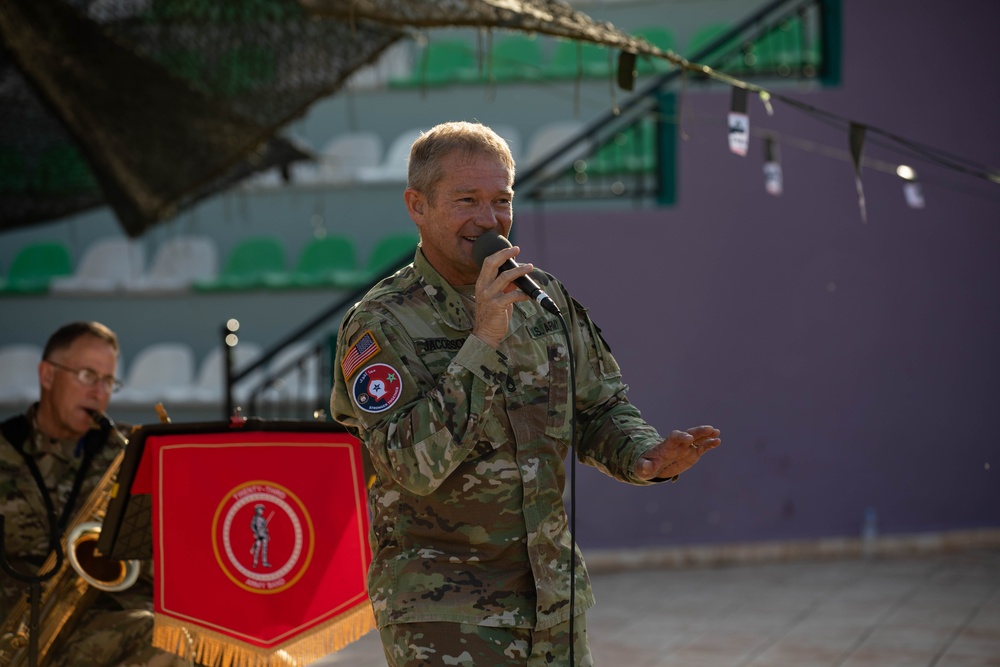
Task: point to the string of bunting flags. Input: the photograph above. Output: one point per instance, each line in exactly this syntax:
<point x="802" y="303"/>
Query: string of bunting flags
<point x="773" y="177"/>
<point x="858" y="135"/>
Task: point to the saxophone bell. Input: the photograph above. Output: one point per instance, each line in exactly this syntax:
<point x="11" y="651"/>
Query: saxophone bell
<point x="94" y="567"/>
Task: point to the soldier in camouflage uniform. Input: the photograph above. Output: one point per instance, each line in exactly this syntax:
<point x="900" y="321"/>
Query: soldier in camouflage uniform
<point x="460" y="388"/>
<point x="76" y="375"/>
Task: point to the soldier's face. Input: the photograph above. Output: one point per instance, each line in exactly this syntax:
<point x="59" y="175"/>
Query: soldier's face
<point x="66" y="398"/>
<point x="475" y="196"/>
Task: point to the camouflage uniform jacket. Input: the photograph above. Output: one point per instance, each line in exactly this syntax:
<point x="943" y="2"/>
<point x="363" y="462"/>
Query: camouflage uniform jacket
<point x="26" y="533"/>
<point x="468" y="443"/>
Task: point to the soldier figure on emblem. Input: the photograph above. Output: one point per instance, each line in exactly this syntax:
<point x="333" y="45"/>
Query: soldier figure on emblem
<point x="258" y="526"/>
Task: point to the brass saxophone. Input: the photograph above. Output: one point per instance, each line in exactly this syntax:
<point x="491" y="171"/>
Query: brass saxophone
<point x="82" y="575"/>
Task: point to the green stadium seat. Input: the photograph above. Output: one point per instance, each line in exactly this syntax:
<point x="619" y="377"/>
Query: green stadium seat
<point x="781" y="49"/>
<point x="516" y="58"/>
<point x="570" y="58"/>
<point x="442" y="62"/>
<point x="630" y="151"/>
<point x="390" y="253"/>
<point x="606" y="160"/>
<point x="319" y="259"/>
<point x="249" y="265"/>
<point x="34" y="267"/>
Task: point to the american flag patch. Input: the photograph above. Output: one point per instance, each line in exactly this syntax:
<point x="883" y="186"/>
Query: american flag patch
<point x="363" y="350"/>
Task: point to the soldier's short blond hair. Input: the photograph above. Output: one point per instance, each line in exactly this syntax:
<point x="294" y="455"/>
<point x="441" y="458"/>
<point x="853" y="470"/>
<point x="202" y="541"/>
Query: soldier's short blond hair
<point x="424" y="170"/>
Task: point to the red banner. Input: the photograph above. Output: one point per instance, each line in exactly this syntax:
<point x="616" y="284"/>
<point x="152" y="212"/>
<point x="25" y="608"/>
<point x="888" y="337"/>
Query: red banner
<point x="260" y="545"/>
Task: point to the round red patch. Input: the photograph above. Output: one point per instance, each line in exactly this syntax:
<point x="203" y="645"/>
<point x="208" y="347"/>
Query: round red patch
<point x="377" y="388"/>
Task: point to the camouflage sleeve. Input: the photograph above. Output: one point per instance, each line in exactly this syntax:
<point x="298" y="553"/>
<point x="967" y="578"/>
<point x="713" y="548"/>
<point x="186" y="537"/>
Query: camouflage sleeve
<point x="611" y="433"/>
<point x="427" y="425"/>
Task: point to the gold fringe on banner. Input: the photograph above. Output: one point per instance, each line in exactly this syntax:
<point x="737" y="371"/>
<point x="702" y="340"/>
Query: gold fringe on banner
<point x="215" y="649"/>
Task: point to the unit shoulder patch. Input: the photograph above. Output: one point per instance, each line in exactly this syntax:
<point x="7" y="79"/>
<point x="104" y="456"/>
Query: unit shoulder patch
<point x="377" y="388"/>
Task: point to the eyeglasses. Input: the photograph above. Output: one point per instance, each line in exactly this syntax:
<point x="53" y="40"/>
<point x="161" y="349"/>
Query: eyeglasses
<point x="88" y="377"/>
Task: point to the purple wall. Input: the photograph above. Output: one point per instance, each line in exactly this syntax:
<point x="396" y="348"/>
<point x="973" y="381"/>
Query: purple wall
<point x="847" y="364"/>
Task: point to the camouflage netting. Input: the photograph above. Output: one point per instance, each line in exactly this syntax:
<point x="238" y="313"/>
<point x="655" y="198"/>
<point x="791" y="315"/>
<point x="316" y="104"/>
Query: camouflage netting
<point x="151" y="105"/>
<point x="549" y="17"/>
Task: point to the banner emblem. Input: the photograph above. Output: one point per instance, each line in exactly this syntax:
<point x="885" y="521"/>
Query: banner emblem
<point x="263" y="537"/>
<point x="377" y="388"/>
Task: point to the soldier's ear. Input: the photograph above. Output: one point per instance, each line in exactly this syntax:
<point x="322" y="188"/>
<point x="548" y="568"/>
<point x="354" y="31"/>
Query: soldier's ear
<point x="416" y="204"/>
<point x="46" y="372"/>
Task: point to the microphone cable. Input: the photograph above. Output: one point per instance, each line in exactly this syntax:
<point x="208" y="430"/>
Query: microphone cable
<point x="572" y="483"/>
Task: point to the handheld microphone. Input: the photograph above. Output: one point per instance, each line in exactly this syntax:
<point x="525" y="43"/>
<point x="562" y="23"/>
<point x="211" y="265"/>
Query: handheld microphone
<point x="490" y="243"/>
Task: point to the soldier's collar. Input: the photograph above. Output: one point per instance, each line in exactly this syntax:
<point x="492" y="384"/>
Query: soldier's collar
<point x="446" y="299"/>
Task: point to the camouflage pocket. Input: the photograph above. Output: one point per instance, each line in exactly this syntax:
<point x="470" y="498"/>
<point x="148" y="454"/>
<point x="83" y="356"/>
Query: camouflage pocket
<point x="493" y="437"/>
<point x="558" y="408"/>
<point x="482" y="449"/>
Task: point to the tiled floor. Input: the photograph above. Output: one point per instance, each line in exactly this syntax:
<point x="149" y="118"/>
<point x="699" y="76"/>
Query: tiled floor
<point x="928" y="611"/>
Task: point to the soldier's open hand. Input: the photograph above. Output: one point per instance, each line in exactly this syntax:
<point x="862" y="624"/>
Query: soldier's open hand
<point x="677" y="453"/>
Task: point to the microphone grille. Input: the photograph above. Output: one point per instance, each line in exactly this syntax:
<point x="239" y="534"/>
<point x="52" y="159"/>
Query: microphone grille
<point x="487" y="244"/>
